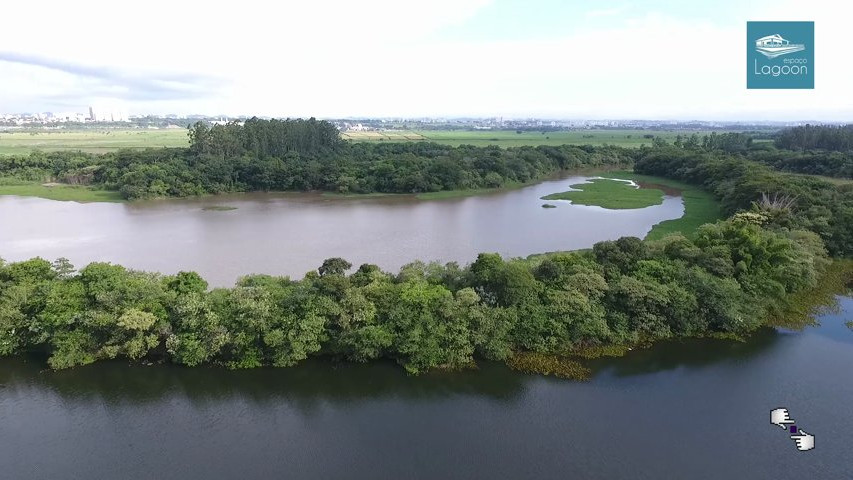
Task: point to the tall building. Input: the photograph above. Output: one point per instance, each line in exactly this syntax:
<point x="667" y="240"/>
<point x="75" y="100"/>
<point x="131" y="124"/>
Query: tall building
<point x="107" y="114"/>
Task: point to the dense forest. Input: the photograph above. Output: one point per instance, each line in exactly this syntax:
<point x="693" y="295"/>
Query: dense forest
<point x="302" y="155"/>
<point x="817" y="137"/>
<point x="426" y="316"/>
<point x="792" y="201"/>
<point x="813" y="150"/>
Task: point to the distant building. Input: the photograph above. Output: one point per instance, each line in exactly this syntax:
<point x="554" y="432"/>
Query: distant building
<point x="101" y="114"/>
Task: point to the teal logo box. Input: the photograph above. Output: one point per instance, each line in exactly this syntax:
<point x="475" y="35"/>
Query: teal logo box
<point x="779" y="55"/>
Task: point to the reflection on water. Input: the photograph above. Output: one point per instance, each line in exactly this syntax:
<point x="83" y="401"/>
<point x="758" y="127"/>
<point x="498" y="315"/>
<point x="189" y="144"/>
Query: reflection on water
<point x="312" y="382"/>
<point x="290" y="234"/>
<point x="689" y="354"/>
<point x="681" y="409"/>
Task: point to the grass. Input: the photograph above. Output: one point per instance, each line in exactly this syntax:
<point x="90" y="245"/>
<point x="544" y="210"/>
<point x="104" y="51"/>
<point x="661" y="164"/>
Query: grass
<point x="832" y="180"/>
<point x="611" y="194"/>
<point x="510" y="138"/>
<point x="91" y="141"/>
<point x="545" y="364"/>
<point x="108" y="140"/>
<point x="72" y="193"/>
<point x="700" y="207"/>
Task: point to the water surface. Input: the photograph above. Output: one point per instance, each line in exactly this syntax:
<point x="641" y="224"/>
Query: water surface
<point x="290" y="234"/>
<point x="694" y="409"/>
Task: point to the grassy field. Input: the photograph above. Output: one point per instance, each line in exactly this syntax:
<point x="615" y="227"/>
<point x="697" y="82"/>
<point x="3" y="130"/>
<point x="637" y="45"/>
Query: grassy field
<point x="92" y="141"/>
<point x="58" y="192"/>
<point x="608" y="193"/>
<point x="107" y="140"/>
<point x="700" y="207"/>
<point x="509" y="138"/>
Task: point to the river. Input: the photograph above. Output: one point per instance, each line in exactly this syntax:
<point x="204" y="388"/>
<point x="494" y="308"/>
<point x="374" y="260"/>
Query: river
<point x="694" y="409"/>
<point x="290" y="234"/>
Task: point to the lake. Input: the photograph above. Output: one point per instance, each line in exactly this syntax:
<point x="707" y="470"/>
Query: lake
<point x="290" y="234"/>
<point x="694" y="409"/>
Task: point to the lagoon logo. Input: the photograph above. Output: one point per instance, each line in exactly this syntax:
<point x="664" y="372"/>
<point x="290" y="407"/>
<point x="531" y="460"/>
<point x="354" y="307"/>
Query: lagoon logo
<point x="773" y="46"/>
<point x="780" y="55"/>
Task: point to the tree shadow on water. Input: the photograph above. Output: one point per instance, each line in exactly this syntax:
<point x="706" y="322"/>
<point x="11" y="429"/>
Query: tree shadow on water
<point x="687" y="353"/>
<point x="312" y="383"/>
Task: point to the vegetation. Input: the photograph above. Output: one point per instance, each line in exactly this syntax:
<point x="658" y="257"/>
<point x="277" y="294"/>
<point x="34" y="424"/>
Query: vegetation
<point x="91" y="140"/>
<point x="426" y="316"/>
<point x="804" y="306"/>
<point x="106" y="140"/>
<point x="75" y="193"/>
<point x="817" y="137"/>
<point x="303" y="155"/>
<point x="700" y="207"/>
<point x="537" y="315"/>
<point x="609" y="193"/>
<point x="790" y="201"/>
<point x="513" y="138"/>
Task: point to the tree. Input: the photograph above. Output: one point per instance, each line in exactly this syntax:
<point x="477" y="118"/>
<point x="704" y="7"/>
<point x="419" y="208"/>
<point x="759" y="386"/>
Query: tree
<point x="334" y="266"/>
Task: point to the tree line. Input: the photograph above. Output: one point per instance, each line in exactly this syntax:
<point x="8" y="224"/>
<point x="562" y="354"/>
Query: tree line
<point x="791" y="201"/>
<point x="426" y="316"/>
<point x="813" y="150"/>
<point x="834" y="138"/>
<point x="347" y="168"/>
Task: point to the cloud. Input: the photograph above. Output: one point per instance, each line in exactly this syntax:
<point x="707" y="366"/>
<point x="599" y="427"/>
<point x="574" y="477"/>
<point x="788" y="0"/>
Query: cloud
<point x="389" y="58"/>
<point x="122" y="85"/>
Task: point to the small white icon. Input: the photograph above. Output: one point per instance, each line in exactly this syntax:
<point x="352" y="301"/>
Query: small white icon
<point x="781" y="418"/>
<point x="805" y="441"/>
<point x="773" y="46"/>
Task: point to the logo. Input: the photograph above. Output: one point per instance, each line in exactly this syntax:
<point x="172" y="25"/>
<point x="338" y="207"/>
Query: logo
<point x="773" y="46"/>
<point x="779" y="55"/>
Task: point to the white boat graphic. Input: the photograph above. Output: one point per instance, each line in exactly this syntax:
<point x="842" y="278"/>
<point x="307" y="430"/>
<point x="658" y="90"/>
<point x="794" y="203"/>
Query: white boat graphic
<point x="773" y="46"/>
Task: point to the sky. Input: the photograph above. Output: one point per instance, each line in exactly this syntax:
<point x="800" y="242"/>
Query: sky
<point x="661" y="59"/>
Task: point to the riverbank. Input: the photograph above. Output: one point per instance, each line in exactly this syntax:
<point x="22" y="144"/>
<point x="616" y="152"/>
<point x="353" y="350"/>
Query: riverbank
<point x="610" y="194"/>
<point x="59" y="192"/>
<point x="700" y="207"/>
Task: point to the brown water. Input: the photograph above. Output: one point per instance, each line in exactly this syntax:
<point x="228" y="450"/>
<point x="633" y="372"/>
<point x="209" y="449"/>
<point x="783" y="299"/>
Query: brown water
<point x="290" y="234"/>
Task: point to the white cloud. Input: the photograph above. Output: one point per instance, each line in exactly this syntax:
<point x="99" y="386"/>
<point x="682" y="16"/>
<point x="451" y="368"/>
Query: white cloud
<point x="381" y="57"/>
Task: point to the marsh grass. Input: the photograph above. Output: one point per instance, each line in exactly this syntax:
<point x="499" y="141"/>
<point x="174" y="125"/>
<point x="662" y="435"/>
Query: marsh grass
<point x="611" y="194"/>
<point x="545" y="364"/>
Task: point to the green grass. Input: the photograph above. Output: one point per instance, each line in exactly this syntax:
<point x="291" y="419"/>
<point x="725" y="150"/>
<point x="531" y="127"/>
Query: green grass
<point x="700" y="207"/>
<point x="60" y="192"/>
<point x="108" y="140"/>
<point x="91" y="141"/>
<point x="832" y="180"/>
<point x="612" y="194"/>
<point x="509" y="138"/>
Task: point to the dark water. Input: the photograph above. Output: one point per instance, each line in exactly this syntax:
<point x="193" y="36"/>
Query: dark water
<point x="290" y="234"/>
<point x="692" y="409"/>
